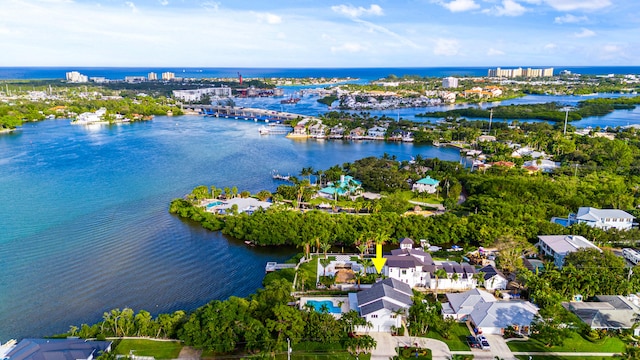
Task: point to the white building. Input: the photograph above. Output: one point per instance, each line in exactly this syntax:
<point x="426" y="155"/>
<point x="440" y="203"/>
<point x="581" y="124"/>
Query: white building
<point x="76" y="77"/>
<point x="197" y="94"/>
<point x="382" y="305"/>
<point x="416" y="268"/>
<point x="559" y="246"/>
<point x="603" y="218"/>
<point x="152" y="76"/>
<point x="494" y="279"/>
<point x="450" y="82"/>
<point x="428" y="185"/>
<point x="168" y="75"/>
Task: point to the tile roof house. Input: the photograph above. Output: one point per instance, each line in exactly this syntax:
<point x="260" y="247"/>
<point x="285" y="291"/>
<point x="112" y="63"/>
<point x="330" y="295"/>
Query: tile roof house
<point x="559" y="246"/>
<point x="609" y="312"/>
<point x="57" y="349"/>
<point x="416" y="268"/>
<point x="381" y="303"/>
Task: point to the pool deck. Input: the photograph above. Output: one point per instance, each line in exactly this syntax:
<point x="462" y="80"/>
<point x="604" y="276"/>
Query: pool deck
<point x="334" y="299"/>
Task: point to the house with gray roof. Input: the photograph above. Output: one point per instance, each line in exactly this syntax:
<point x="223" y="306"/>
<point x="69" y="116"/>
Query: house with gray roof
<point x="609" y="312"/>
<point x="416" y="268"/>
<point x="57" y="349"/>
<point x="494" y="317"/>
<point x="603" y="218"/>
<point x="460" y="305"/>
<point x="559" y="246"/>
<point x="494" y="279"/>
<point x="382" y="304"/>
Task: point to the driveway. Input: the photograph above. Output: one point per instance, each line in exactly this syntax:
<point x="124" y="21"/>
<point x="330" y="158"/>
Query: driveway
<point x="386" y="346"/>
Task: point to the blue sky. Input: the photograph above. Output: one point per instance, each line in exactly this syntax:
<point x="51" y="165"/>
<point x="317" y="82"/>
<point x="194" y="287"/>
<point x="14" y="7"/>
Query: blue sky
<point x="310" y="33"/>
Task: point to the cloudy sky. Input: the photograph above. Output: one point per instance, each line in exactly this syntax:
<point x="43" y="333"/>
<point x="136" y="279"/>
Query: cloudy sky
<point x="319" y="33"/>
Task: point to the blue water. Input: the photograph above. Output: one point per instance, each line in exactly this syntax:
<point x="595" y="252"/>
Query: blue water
<point x="85" y="226"/>
<point x="118" y="73"/>
<point x="317" y="305"/>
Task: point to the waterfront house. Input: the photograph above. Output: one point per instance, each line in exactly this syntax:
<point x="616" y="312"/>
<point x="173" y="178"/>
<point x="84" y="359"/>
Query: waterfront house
<point x="357" y="133"/>
<point x="243" y="205"/>
<point x="428" y="185"/>
<point x="336" y="132"/>
<point x="416" y="268"/>
<point x="559" y="246"/>
<point x="318" y="130"/>
<point x="383" y="304"/>
<point x="494" y="279"/>
<point x="346" y="186"/>
<point x="376" y="133"/>
<point x="57" y="349"/>
<point x="608" y="312"/>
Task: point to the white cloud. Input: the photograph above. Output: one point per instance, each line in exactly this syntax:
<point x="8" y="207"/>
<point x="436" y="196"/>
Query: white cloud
<point x="355" y="12"/>
<point x="381" y="29"/>
<point x="494" y="52"/>
<point x="551" y="46"/>
<point x="164" y="2"/>
<point x="211" y="5"/>
<point x="570" y="19"/>
<point x="350" y="47"/>
<point x="446" y="47"/>
<point x="459" y="5"/>
<point x="509" y="8"/>
<point x="584" y="33"/>
<point x="132" y="6"/>
<point x="571" y="5"/>
<point x="269" y="18"/>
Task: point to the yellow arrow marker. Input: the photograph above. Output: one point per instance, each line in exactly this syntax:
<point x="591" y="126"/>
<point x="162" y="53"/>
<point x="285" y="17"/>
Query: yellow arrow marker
<point x="379" y="261"/>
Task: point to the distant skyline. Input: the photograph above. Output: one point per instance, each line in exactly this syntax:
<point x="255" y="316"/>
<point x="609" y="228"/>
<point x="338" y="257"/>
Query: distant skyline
<point x="307" y="33"/>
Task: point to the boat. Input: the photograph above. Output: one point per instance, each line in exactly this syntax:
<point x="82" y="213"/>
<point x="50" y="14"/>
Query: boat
<point x="290" y="100"/>
<point x="263" y="131"/>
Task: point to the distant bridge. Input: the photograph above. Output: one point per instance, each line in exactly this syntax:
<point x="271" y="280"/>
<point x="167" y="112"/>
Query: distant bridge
<point x="241" y="113"/>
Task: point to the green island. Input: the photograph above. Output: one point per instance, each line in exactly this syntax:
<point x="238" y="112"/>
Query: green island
<point x="547" y="111"/>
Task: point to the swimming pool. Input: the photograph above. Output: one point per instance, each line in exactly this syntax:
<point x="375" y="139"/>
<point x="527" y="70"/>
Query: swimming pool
<point x="318" y="306"/>
<point x="215" y="203"/>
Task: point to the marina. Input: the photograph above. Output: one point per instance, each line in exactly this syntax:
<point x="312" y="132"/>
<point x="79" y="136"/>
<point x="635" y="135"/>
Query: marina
<point x="244" y="113"/>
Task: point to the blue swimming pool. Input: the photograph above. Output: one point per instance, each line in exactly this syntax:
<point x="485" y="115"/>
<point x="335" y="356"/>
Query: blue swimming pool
<point x="215" y="203"/>
<point x="318" y="305"/>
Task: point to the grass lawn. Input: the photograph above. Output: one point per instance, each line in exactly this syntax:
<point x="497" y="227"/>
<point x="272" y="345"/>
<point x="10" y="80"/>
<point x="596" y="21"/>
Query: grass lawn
<point x="320" y="351"/>
<point x="144" y="347"/>
<point x="575" y="342"/>
<point x="458" y="341"/>
<point x="308" y="270"/>
<point x="410" y="353"/>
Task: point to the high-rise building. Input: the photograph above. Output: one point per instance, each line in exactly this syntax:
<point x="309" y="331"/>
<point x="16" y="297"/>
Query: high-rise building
<point x="152" y="76"/>
<point x="76" y="77"/>
<point x="520" y="72"/>
<point x="450" y="82"/>
<point x="168" y="75"/>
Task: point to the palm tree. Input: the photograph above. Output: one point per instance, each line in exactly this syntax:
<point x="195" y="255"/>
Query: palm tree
<point x="325" y="246"/>
<point x="325" y="262"/>
<point x="358" y="277"/>
<point x="439" y="273"/>
<point x="362" y="247"/>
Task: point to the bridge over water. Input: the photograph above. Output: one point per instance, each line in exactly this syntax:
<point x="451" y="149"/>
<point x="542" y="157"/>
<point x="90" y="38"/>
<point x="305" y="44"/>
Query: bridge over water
<point x="242" y="113"/>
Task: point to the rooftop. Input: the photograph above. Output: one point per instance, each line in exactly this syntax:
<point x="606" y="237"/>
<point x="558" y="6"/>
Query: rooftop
<point x="563" y="244"/>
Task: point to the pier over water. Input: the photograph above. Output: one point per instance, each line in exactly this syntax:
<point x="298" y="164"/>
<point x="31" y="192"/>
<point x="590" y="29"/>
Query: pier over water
<point x="242" y="113"/>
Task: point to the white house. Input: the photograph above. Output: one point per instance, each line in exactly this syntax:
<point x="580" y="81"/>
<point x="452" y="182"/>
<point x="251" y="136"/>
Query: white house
<point x="603" y="218"/>
<point x="559" y="246"/>
<point x="428" y="185"/>
<point x="416" y="268"/>
<point x="376" y="132"/>
<point x="382" y="305"/>
<point x="494" y="279"/>
<point x="495" y="317"/>
<point x="460" y="305"/>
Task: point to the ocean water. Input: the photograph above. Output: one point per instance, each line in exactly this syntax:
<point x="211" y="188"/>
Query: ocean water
<point x="364" y="74"/>
<point x="85" y="226"/>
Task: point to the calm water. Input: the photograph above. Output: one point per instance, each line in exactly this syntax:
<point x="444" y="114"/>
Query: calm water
<point x="85" y="226"/>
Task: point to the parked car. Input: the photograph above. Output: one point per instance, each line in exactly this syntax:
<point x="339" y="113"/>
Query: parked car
<point x="473" y="342"/>
<point x="484" y="344"/>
